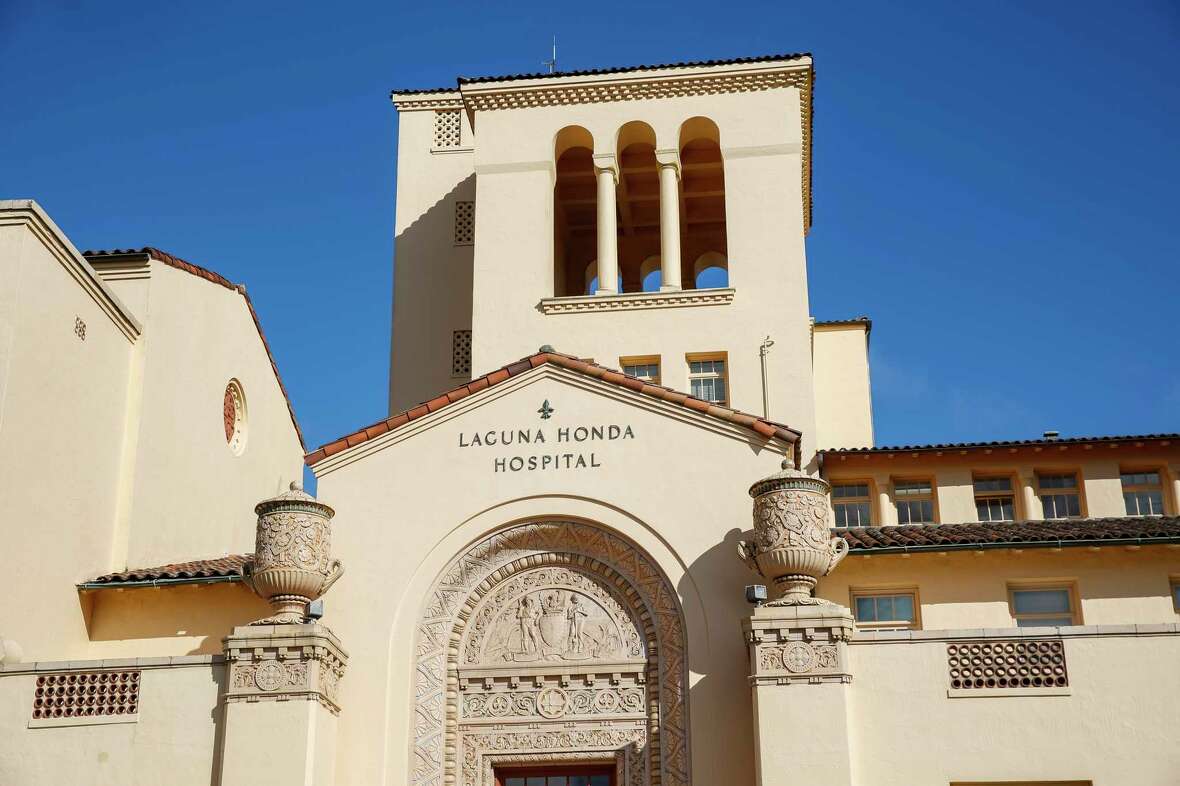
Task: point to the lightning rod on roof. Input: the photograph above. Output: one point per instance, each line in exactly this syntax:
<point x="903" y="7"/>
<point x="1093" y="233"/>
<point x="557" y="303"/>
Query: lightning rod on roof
<point x="551" y="63"/>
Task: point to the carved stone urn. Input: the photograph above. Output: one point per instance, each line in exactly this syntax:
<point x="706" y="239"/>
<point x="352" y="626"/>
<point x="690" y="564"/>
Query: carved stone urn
<point x="792" y="545"/>
<point x="293" y="562"/>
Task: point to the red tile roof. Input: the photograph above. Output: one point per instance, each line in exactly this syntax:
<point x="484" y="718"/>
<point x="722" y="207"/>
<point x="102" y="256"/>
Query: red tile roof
<point x="227" y="567"/>
<point x="1126" y="530"/>
<point x="1013" y="443"/>
<point x="216" y="278"/>
<point x="765" y="428"/>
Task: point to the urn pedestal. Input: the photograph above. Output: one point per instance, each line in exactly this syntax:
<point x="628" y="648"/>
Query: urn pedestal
<point x="792" y="546"/>
<point x="293" y="562"/>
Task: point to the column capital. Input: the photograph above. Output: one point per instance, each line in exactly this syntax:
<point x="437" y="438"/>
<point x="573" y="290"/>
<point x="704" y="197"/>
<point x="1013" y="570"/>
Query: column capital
<point x="606" y="162"/>
<point x="669" y="158"/>
<point x="799" y="644"/>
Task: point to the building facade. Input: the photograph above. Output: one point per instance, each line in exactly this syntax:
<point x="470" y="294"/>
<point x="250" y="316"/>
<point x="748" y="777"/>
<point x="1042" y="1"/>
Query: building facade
<point x="603" y="361"/>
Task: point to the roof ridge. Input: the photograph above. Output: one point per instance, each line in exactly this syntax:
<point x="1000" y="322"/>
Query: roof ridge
<point x="764" y="427"/>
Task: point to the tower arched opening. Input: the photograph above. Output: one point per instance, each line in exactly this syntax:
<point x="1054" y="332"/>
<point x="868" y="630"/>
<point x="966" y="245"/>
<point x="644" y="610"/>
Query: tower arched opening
<point x="703" y="221"/>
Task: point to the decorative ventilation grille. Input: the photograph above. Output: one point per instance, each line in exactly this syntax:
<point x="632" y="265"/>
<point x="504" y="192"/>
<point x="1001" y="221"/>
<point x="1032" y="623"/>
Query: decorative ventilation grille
<point x="464" y="223"/>
<point x="86" y="694"/>
<point x="461" y="353"/>
<point x="79" y="328"/>
<point x="447" y="126"/>
<point x="1007" y="664"/>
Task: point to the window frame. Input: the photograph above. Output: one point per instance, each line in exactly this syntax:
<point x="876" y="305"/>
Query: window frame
<point x="1078" y="490"/>
<point x="1069" y="585"/>
<point x="556" y="769"/>
<point x="879" y="591"/>
<point x="874" y="514"/>
<point x="698" y="357"/>
<point x="1165" y="507"/>
<point x="643" y="360"/>
<point x="933" y="497"/>
<point x="1013" y="491"/>
<point x="1174" y="591"/>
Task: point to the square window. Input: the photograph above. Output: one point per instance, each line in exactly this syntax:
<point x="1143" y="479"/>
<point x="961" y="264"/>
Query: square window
<point x="851" y="505"/>
<point x="1059" y="495"/>
<point x="1143" y="493"/>
<point x="994" y="500"/>
<point x="914" y="501"/>
<point x="644" y="368"/>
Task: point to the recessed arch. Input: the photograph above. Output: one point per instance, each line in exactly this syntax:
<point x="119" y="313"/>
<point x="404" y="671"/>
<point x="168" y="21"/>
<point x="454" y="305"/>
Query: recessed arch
<point x="449" y="748"/>
<point x="704" y="227"/>
<point x="651" y="274"/>
<point x="575" y="208"/>
<point x="710" y="271"/>
<point x="638" y="200"/>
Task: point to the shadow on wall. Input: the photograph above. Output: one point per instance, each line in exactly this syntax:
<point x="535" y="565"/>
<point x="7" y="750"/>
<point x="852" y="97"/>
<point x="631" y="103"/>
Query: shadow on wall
<point x="721" y="697"/>
<point x="433" y="258"/>
<point x="220" y="675"/>
<point x="207" y="612"/>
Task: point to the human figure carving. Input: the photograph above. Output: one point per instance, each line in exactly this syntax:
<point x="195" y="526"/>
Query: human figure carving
<point x="576" y="615"/>
<point x="526" y="617"/>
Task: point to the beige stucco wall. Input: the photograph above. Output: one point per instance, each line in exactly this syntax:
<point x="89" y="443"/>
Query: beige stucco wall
<point x="187" y="619"/>
<point x="760" y="146"/>
<point x="843" y="395"/>
<point x="1097" y="466"/>
<point x="1117" y="726"/>
<point x="62" y="417"/>
<point x="432" y="276"/>
<point x="416" y="499"/>
<point x="199" y="336"/>
<point x="174" y="741"/>
<point x="968" y="589"/>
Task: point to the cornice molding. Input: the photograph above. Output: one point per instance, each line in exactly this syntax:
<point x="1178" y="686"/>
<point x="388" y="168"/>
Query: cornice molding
<point x="26" y="212"/>
<point x="634" y="301"/>
<point x="421" y="102"/>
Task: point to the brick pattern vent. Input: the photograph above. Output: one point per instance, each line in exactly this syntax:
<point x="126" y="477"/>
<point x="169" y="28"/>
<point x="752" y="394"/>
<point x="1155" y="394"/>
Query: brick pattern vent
<point x="86" y="694"/>
<point x="461" y="353"/>
<point x="464" y="223"/>
<point x="447" y="126"/>
<point x="1006" y="664"/>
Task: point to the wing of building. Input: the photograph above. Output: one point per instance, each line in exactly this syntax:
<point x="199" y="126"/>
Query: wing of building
<point x="539" y="566"/>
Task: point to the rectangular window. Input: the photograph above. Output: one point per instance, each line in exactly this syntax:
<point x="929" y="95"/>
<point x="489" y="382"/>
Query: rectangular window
<point x="915" y="501"/>
<point x="885" y="608"/>
<point x="1176" y="594"/>
<point x="850" y="501"/>
<point x="1043" y="606"/>
<point x="1143" y="493"/>
<point x="707" y="379"/>
<point x="570" y="775"/>
<point x="645" y="368"/>
<point x="1059" y="495"/>
<point x="994" y="500"/>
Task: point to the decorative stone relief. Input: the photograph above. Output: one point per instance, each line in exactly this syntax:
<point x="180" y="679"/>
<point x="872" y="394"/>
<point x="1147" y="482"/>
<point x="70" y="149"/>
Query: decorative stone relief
<point x="792" y="544"/>
<point x="799" y="644"/>
<point x="553" y="614"/>
<point x="302" y="662"/>
<point x="545" y="625"/>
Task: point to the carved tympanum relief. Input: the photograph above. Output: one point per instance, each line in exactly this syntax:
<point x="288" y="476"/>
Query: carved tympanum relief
<point x="551" y="614"/>
<point x="548" y="639"/>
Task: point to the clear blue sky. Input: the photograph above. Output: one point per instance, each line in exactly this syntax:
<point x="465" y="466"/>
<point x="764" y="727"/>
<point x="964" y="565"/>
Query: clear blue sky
<point x="995" y="183"/>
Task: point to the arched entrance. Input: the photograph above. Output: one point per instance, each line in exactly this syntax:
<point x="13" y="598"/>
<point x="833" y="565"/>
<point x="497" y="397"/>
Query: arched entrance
<point x="551" y="642"/>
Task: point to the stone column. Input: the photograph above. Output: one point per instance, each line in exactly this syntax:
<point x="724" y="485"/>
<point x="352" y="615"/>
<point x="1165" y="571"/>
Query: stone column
<point x="669" y="163"/>
<point x="280" y="695"/>
<point x="281" y="705"/>
<point x="799" y="670"/>
<point x="1175" y="509"/>
<point x="1031" y="505"/>
<point x="886" y="511"/>
<point x="800" y="678"/>
<point x="608" y="235"/>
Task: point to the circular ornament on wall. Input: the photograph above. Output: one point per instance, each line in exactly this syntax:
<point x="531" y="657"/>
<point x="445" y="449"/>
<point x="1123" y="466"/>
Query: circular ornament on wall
<point x="233" y="412"/>
<point x="798" y="657"/>
<point x="552" y="702"/>
<point x="269" y="676"/>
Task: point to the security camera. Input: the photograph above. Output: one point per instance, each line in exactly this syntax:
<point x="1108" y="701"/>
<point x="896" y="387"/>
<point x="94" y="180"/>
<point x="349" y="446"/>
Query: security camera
<point x="756" y="594"/>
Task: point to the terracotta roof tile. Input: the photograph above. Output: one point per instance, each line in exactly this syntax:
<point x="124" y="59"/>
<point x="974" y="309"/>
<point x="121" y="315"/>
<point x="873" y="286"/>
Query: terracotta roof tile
<point x="1126" y="530"/>
<point x="229" y="566"/>
<point x="216" y="278"/>
<point x="1013" y="443"/>
<point x="762" y="427"/>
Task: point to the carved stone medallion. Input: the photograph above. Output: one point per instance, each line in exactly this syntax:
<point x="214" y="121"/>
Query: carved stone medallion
<point x="798" y="657"/>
